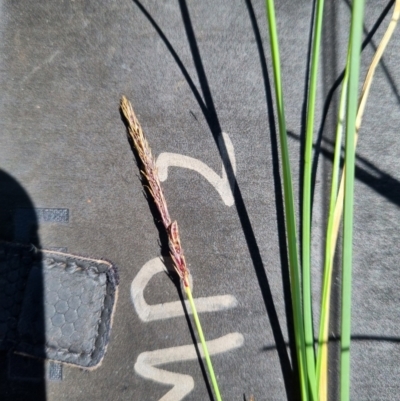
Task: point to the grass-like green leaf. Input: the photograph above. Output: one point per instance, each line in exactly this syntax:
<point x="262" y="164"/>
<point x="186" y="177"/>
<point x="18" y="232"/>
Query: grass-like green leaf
<point x="306" y="220"/>
<point x="352" y="100"/>
<point x="288" y="205"/>
<point x="330" y="245"/>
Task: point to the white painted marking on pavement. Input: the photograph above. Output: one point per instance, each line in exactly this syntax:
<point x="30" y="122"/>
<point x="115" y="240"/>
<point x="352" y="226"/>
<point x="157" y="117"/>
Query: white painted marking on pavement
<point x="182" y="384"/>
<point x="148" y="313"/>
<point x="220" y="183"/>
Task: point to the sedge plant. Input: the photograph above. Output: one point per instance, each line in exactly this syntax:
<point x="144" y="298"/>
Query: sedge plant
<point x="336" y="202"/>
<point x="312" y="372"/>
<point x="149" y="172"/>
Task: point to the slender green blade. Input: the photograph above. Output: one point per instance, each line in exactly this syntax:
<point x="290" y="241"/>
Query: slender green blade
<point x="203" y="344"/>
<point x="289" y="205"/>
<point x="352" y="97"/>
<point x="322" y="356"/>
<point x="306" y="220"/>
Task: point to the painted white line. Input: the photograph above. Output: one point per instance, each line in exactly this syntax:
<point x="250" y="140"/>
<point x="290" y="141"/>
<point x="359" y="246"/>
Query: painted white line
<point x="220" y="183"/>
<point x="182" y="384"/>
<point x="148" y="313"/>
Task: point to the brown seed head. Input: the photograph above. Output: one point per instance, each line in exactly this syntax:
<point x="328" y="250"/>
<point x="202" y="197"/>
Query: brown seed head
<point x="176" y="252"/>
<point x="154" y="186"/>
<point x="149" y="166"/>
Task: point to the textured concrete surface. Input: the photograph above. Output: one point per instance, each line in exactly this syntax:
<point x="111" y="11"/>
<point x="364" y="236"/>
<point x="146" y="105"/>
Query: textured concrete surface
<point x="192" y="70"/>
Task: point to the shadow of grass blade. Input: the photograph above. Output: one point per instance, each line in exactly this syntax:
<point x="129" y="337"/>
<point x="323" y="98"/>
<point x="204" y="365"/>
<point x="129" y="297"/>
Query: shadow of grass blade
<point x="288" y="206"/>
